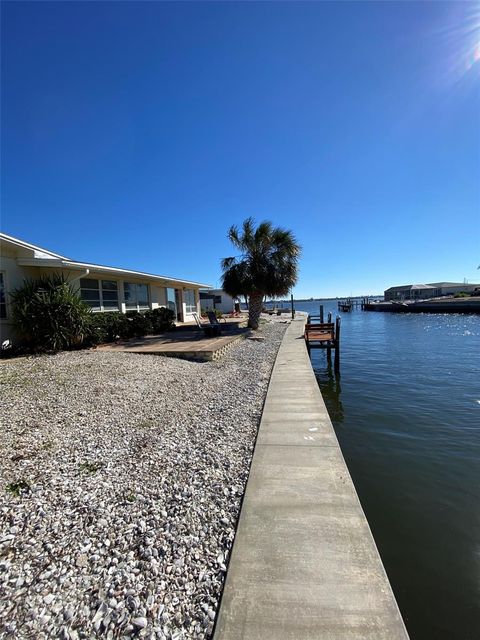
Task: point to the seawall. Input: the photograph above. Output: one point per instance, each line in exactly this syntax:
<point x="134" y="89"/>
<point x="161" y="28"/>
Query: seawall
<point x="457" y="305"/>
<point x="304" y="564"/>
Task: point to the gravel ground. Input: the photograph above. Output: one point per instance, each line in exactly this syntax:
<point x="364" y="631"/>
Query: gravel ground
<point x="120" y="487"/>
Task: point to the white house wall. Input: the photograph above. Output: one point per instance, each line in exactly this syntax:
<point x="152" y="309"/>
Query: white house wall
<point x="15" y="275"/>
<point x="13" y="278"/>
<point x="188" y="317"/>
<point x="159" y="296"/>
<point x="227" y="305"/>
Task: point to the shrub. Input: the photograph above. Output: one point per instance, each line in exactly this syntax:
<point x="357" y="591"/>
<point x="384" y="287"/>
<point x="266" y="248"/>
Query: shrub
<point x="109" y="326"/>
<point x="461" y="294"/>
<point x="217" y="312"/>
<point x="49" y="315"/>
<point x="139" y="324"/>
<point x="106" y="327"/>
<point x="162" y="319"/>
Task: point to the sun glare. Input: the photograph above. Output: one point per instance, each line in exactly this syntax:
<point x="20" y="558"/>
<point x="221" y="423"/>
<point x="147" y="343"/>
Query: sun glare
<point x="470" y="33"/>
<point x="475" y="56"/>
<point x="461" y="41"/>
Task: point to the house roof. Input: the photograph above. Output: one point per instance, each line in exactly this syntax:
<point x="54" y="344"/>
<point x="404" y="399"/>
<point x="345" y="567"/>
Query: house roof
<point x="452" y="284"/>
<point x="430" y="285"/>
<point x="32" y="247"/>
<point x="421" y="286"/>
<point x="409" y="287"/>
<point x="45" y="258"/>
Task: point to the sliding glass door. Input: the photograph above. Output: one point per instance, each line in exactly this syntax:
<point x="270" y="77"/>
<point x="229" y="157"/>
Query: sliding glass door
<point x="171" y="301"/>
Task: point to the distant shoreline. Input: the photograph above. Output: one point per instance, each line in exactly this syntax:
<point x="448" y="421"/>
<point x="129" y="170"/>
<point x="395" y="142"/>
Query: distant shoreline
<point x="375" y="297"/>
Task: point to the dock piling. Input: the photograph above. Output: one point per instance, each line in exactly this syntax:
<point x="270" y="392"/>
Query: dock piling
<point x="337" y="345"/>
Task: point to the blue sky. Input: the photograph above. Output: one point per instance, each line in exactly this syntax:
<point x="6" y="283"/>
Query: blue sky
<point x="134" y="134"/>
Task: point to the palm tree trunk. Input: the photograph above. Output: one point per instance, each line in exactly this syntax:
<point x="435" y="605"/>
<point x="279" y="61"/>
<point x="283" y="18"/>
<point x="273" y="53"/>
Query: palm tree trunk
<point x="254" y="310"/>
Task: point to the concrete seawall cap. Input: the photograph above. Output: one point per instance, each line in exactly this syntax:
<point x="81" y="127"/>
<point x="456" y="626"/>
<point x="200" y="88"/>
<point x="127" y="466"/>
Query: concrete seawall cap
<point x="304" y="564"/>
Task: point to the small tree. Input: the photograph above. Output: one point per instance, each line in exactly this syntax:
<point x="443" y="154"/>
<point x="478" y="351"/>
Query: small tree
<point x="267" y="266"/>
<point x="48" y="314"/>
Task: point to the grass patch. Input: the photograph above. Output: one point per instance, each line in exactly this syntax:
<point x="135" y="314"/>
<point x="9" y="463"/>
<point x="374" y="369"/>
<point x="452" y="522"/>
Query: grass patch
<point x="89" y="467"/>
<point x="146" y="424"/>
<point x="15" y="379"/>
<point x="18" y="488"/>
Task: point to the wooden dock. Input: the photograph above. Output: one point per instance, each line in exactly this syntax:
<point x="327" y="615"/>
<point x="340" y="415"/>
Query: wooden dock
<point x="324" y="335"/>
<point x="350" y="304"/>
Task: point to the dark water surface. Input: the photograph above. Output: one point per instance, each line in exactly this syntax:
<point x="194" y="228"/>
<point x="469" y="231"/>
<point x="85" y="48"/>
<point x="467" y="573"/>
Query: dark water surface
<point x="406" y="410"/>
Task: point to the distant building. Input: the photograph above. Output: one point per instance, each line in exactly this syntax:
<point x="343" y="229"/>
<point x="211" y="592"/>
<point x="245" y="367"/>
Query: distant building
<point x="450" y="288"/>
<point x="217" y="299"/>
<point x="424" y="291"/>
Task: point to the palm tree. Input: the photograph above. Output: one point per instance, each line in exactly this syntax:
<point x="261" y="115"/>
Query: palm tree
<point x="267" y="266"/>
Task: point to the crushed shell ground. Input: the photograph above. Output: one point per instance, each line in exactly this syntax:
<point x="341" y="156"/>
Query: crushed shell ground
<point x="120" y="487"/>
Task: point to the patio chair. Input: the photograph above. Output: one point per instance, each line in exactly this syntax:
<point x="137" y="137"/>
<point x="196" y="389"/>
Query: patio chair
<point x="209" y="329"/>
<point x="212" y="318"/>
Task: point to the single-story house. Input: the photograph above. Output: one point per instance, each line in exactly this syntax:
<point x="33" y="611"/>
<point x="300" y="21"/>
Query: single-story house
<point x="430" y="290"/>
<point x="102" y="288"/>
<point x="211" y="299"/>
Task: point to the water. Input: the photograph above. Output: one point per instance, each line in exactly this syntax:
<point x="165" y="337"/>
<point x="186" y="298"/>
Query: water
<point x="406" y="411"/>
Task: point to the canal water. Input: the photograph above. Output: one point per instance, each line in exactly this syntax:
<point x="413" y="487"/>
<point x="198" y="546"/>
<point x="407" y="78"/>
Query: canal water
<point x="406" y="410"/>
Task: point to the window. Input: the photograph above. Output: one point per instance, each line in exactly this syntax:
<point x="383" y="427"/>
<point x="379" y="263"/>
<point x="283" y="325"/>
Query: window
<point x="110" y="294"/>
<point x="90" y="292"/>
<point x="3" y="302"/>
<point x="101" y="295"/>
<point x="189" y="297"/>
<point x="136" y="296"/>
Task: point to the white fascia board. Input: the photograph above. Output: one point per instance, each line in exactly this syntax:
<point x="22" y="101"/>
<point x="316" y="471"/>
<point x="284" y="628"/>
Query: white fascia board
<point x="41" y="262"/>
<point x="138" y="274"/>
<point x="71" y="264"/>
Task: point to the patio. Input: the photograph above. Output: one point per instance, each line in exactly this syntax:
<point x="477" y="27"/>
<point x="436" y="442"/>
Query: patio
<point x="186" y="341"/>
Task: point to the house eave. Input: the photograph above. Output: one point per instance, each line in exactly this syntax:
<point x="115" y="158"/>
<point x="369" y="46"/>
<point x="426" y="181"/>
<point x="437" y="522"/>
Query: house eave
<point x="72" y="264"/>
<point x="27" y="245"/>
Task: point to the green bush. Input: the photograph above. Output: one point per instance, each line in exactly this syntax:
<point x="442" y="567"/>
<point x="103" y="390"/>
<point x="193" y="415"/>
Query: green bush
<point x="461" y="294"/>
<point x="217" y="312"/>
<point x="139" y="324"/>
<point x="49" y="315"/>
<point x="106" y="327"/>
<point x="109" y="326"/>
<point x="162" y="319"/>
<point x="149" y="322"/>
